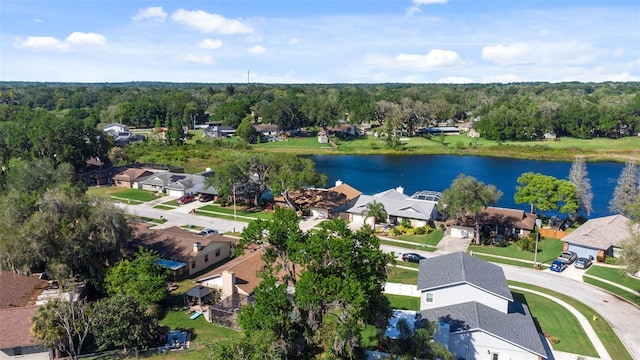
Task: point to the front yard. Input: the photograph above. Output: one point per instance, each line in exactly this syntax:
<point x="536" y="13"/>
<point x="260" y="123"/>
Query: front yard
<point x="548" y="250"/>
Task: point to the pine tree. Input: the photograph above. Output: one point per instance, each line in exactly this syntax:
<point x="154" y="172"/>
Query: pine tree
<point x="579" y="177"/>
<point x="626" y="190"/>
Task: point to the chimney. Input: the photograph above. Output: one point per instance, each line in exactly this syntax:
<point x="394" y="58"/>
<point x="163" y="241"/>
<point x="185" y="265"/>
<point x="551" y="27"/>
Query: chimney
<point x="228" y="283"/>
<point x="400" y="189"/>
<point x="197" y="246"/>
<point x="338" y="183"/>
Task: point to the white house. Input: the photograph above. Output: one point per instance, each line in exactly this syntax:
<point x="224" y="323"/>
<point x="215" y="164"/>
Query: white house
<point x="476" y="315"/>
<point x="420" y="208"/>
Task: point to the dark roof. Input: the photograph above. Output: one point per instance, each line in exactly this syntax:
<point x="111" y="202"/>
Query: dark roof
<point x="15" y="330"/>
<point x="19" y="290"/>
<point x="516" y="327"/>
<point x="459" y="268"/>
<point x="199" y="291"/>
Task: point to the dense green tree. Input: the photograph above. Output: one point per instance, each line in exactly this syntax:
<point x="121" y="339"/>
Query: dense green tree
<point x="338" y="275"/>
<point x="545" y="193"/>
<point x="468" y="196"/>
<point x="232" y="112"/>
<point x="141" y="278"/>
<point x="246" y="131"/>
<point x="121" y="322"/>
<point x="63" y="325"/>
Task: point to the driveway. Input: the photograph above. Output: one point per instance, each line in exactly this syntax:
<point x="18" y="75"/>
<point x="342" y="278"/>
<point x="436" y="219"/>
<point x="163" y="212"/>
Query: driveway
<point x="450" y="244"/>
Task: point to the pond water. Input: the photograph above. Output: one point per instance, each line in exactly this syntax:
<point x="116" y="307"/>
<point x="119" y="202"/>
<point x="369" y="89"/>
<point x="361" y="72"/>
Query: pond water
<point x="375" y="173"/>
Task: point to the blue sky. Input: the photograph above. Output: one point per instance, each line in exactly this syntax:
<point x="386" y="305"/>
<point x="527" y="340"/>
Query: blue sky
<point x="320" y="41"/>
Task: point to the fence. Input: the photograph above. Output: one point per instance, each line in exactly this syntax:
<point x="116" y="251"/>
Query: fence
<point x="553" y="233"/>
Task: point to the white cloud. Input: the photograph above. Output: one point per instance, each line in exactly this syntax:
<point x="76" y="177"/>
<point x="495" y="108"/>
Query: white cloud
<point x="257" y="49"/>
<point x="200" y="59"/>
<point x="210" y="23"/>
<point x="37" y="21"/>
<point x="210" y="44"/>
<point x="155" y="13"/>
<point x="293" y="41"/>
<point x="43" y="43"/>
<point x="86" y="38"/>
<point x="542" y="53"/>
<point x="455" y="80"/>
<point x="436" y="58"/>
<point x="415" y="8"/>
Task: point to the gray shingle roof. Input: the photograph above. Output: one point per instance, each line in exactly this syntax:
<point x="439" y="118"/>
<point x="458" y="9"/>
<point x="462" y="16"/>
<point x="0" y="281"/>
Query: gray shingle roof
<point x="460" y="267"/>
<point x="516" y="327"/>
<point x="396" y="204"/>
<point x="602" y="233"/>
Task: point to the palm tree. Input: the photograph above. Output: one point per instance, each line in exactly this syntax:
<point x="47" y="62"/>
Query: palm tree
<point x="376" y="211"/>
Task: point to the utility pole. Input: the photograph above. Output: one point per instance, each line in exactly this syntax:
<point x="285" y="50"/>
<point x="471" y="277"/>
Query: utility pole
<point x="248" y="82"/>
<point x="234" y="201"/>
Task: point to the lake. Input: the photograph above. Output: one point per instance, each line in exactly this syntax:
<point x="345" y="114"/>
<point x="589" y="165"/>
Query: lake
<point x="376" y="173"/>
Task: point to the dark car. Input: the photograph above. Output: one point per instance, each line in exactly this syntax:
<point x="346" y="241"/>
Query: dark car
<point x="558" y="266"/>
<point x="185" y="199"/>
<point x="412" y="257"/>
<point x="582" y="263"/>
<point x="205" y="197"/>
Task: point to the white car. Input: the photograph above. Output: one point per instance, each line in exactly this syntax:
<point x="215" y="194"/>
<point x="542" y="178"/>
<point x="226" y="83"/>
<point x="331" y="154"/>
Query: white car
<point x="206" y="232"/>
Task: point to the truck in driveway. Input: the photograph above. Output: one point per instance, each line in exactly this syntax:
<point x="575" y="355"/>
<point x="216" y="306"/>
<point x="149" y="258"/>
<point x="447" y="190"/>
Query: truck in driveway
<point x="568" y="257"/>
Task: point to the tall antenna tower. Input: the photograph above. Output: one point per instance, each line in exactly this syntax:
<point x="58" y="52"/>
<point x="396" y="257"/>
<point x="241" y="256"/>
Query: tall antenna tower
<point x="248" y="82"/>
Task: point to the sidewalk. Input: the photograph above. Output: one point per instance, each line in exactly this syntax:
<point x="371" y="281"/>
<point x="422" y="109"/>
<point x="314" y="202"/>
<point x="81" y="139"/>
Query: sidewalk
<point x="588" y="329"/>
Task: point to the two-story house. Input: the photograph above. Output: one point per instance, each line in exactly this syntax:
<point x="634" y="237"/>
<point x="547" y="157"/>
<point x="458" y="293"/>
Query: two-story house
<point x="476" y="315"/>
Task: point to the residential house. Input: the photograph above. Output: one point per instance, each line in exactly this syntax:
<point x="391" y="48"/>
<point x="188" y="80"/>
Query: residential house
<point x="115" y="128"/>
<point x="182" y="251"/>
<point x="238" y="276"/>
<point x="600" y="237"/>
<point x="496" y="221"/>
<point x="131" y="178"/>
<point x="268" y="131"/>
<point x="18" y="294"/>
<point x="175" y="184"/>
<point x="342" y="130"/>
<point x="219" y="131"/>
<point x="420" y="209"/>
<point x="445" y="130"/>
<point x="475" y="313"/>
<point x="325" y="203"/>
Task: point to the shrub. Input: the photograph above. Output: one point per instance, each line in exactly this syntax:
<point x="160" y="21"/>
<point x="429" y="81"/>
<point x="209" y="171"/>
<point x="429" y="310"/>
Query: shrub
<point x="421" y="230"/>
<point x="527" y="243"/>
<point x="405" y="223"/>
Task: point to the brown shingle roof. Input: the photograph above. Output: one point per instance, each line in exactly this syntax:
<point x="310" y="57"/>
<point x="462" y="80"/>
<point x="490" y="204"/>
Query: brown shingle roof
<point x="509" y="217"/>
<point x="323" y="199"/>
<point x="246" y="269"/>
<point x="16" y="327"/>
<point x="18" y="290"/>
<point x="173" y="243"/>
<point x="132" y="174"/>
<point x="347" y="190"/>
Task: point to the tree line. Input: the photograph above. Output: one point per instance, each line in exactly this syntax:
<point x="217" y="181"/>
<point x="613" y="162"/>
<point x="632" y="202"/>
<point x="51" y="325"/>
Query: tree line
<point x="520" y="111"/>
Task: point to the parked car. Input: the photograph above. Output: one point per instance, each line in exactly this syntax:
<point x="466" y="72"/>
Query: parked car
<point x="582" y="263"/>
<point x="205" y="197"/>
<point x="412" y="257"/>
<point x="185" y="199"/>
<point x="558" y="266"/>
<point x="205" y="232"/>
<point x="568" y="256"/>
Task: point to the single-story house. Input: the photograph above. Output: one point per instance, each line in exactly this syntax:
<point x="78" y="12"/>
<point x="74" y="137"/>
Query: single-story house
<point x="343" y="129"/>
<point x="175" y="184"/>
<point x="325" y="203"/>
<point x="182" y="251"/>
<point x="238" y="276"/>
<point x="219" y="131"/>
<point x="268" y="130"/>
<point x="419" y="208"/>
<point x="16" y="339"/>
<point x="499" y="221"/>
<point x="477" y="317"/>
<point x="115" y="128"/>
<point x="18" y="298"/>
<point x="600" y="237"/>
<point x="131" y="178"/>
<point x="445" y="130"/>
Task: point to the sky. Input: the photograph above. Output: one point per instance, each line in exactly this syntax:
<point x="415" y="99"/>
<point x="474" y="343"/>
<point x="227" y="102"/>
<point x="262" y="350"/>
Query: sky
<point x="320" y="41"/>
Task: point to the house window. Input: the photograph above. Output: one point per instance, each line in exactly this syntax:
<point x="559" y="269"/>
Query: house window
<point x="206" y="258"/>
<point x="429" y="297"/>
<point x="494" y="356"/>
<point x="217" y="252"/>
<point x="193" y="264"/>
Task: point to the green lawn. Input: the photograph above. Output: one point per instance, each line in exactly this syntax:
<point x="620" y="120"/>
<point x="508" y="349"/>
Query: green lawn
<point x="201" y="330"/>
<point x="164" y="207"/>
<point x="408" y="246"/>
<point x="404" y="302"/>
<point x="402" y="276"/>
<point x="295" y="143"/>
<point x="432" y="238"/>
<point x="228" y="211"/>
<point x="548" y="250"/>
<point x="133" y="194"/>
<point x="513" y="262"/>
<point x="614" y="346"/>
<point x="556" y="321"/>
<point x="615" y="275"/>
<point x="409" y="264"/>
